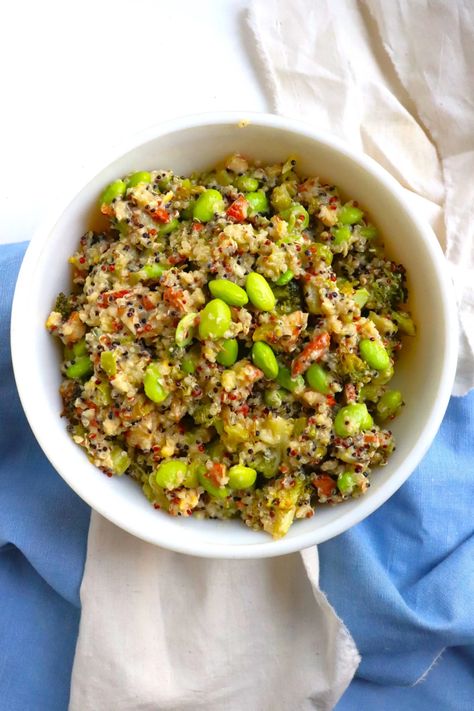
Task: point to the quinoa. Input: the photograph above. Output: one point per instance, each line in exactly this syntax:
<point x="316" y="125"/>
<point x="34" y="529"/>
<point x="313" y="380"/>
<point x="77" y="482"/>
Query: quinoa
<point x="145" y="384"/>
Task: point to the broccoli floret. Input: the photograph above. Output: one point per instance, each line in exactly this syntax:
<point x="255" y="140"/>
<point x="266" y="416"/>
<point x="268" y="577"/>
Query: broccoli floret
<point x="63" y="305"/>
<point x="288" y="298"/>
<point x="385" y="283"/>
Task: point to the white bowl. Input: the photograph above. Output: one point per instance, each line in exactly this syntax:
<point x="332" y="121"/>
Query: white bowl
<point x="424" y="374"/>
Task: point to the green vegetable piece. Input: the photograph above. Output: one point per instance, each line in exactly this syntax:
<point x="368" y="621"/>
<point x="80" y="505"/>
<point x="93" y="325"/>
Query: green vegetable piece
<point x="241" y="477"/>
<point x="267" y="463"/>
<point x="361" y="297"/>
<point x="215" y="320"/>
<point x="185" y="330"/>
<point x="154" y="389"/>
<point x="113" y="191"/>
<point x="168" y="227"/>
<point x="246" y="184"/>
<point x="189" y="362"/>
<point x="171" y="473"/>
<point x="80" y="368"/>
<point x="142" y="176"/>
<point x="120" y="460"/>
<point x="108" y="363"/>
<point x="223" y="178"/>
<point x="63" y="305"/>
<point x="296" y="216"/>
<point x="369" y="232"/>
<point x="374" y="354"/>
<point x="219" y="492"/>
<point x="228" y="353"/>
<point x="352" y="419"/>
<point x="264" y="358"/>
<point x="285" y="278"/>
<point x="323" y="252"/>
<point x="318" y="379"/>
<point x="228" y="291"/>
<point x="383" y="376"/>
<point x="346" y="482"/>
<point x="257" y="201"/>
<point x="274" y="398"/>
<point x="389" y="404"/>
<point x="341" y="234"/>
<point x="281" y="198"/>
<point x="191" y="480"/>
<point x="286" y="381"/>
<point x="260" y="292"/>
<point x="384" y="325"/>
<point x="405" y="322"/>
<point x="208" y="203"/>
<point x="154" y="270"/>
<point x="348" y="214"/>
<point x="79" y="348"/>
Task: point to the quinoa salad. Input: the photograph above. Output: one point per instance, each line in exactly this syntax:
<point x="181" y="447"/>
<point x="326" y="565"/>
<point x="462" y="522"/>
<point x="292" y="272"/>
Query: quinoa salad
<point x="229" y="341"/>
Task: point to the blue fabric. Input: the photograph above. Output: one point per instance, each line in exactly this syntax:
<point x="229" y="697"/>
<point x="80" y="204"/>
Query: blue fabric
<point x="43" y="529"/>
<point x="402" y="580"/>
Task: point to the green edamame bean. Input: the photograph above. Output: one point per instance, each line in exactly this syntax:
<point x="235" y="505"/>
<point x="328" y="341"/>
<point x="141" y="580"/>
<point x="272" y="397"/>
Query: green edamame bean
<point x="171" y="473"/>
<point x="223" y="178"/>
<point x="374" y="354"/>
<point x="228" y="291"/>
<point x="296" y="216"/>
<point x="264" y="358"/>
<point x="383" y="376"/>
<point x="246" y="184"/>
<point x="404" y="322"/>
<point x="346" y="482"/>
<point x="220" y="492"/>
<point x="260" y="292"/>
<point x="285" y="278"/>
<point x="79" y="348"/>
<point x="154" y="389"/>
<point x="80" y="368"/>
<point x="154" y="270"/>
<point x="168" y="227"/>
<point x="361" y="297"/>
<point x="281" y="198"/>
<point x="286" y="381"/>
<point x="208" y="203"/>
<point x="323" y="252"/>
<point x="215" y="319"/>
<point x="120" y="460"/>
<point x="241" y="477"/>
<point x="318" y="378"/>
<point x="185" y="330"/>
<point x="108" y="363"/>
<point x="228" y="353"/>
<point x="188" y="364"/>
<point x="191" y="480"/>
<point x="348" y="214"/>
<point x="113" y="191"/>
<point x="389" y="404"/>
<point x="352" y="419"/>
<point x="257" y="201"/>
<point x="142" y="176"/>
<point x="341" y="234"/>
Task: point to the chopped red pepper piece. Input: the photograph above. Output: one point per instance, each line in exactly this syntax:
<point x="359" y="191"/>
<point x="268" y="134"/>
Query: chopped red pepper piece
<point x="313" y="351"/>
<point x="238" y="210"/>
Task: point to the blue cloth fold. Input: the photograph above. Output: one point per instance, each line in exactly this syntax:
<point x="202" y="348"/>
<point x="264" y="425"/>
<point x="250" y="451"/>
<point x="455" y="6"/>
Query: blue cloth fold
<point x="402" y="580"/>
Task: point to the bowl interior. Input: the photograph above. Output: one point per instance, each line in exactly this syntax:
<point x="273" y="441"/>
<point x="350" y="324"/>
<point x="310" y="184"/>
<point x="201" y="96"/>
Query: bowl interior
<point x="421" y="369"/>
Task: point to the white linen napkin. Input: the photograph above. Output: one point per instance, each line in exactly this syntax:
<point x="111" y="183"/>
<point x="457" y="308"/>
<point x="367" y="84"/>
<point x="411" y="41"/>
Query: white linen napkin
<point x="395" y="79"/>
<point x="163" y="631"/>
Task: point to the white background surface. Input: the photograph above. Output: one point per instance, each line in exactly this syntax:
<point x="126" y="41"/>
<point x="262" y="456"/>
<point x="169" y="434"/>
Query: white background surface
<point x="79" y="76"/>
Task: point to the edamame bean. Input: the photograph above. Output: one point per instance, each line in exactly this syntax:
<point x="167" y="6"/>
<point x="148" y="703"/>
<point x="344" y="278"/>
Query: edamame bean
<point x="228" y="291"/>
<point x="188" y="364"/>
<point x="152" y="382"/>
<point x="80" y="368"/>
<point x="191" y="480"/>
<point x="112" y="191"/>
<point x="142" y="176"/>
<point x="257" y="201"/>
<point x="383" y="376"/>
<point x="374" y="354"/>
<point x="318" y="378"/>
<point x="246" y="184"/>
<point x="389" y="404"/>
<point x="241" y="477"/>
<point x="286" y="381"/>
<point x="346" y="482"/>
<point x="120" y="460"/>
<point x="404" y="322"/>
<point x="352" y="419"/>
<point x="215" y="319"/>
<point x="260" y="292"/>
<point x="264" y="358"/>
<point x="361" y="297"/>
<point x="171" y="473"/>
<point x="108" y="363"/>
<point x="80" y="348"/>
<point x="285" y="278"/>
<point x="185" y="330"/>
<point x="296" y="216"/>
<point x="220" y="492"/>
<point x="341" y="234"/>
<point x="323" y="252"/>
<point x="168" y="227"/>
<point x="228" y="353"/>
<point x="348" y="214"/>
<point x="154" y="270"/>
<point x="208" y="203"/>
